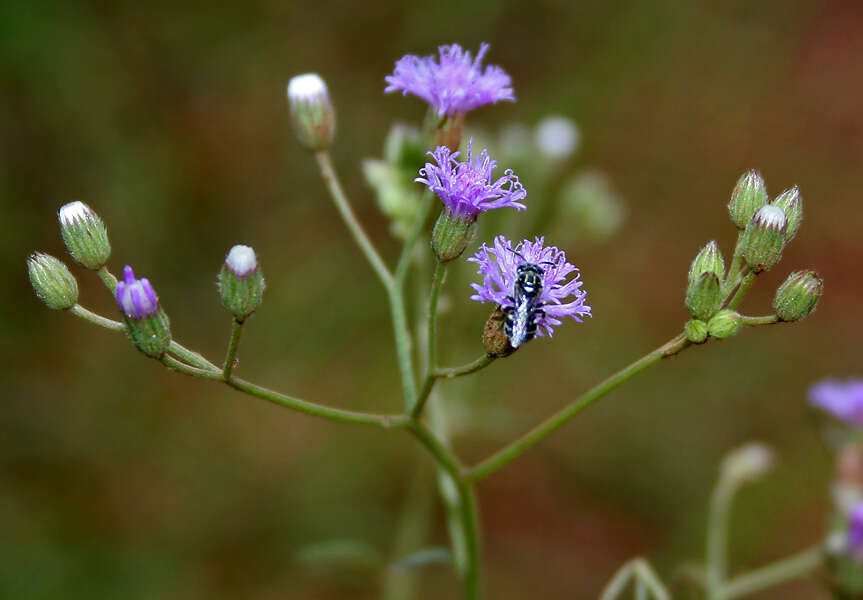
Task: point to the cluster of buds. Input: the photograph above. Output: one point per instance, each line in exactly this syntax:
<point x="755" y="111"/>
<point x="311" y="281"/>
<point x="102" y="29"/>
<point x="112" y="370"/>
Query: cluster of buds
<point x="765" y="228"/>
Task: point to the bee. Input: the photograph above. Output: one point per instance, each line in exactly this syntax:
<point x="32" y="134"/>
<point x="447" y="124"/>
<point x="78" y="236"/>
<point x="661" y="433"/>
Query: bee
<point x="524" y="311"/>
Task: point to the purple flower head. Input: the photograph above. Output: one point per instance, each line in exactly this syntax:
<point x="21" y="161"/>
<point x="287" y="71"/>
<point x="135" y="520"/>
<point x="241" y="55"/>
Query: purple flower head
<point x="558" y="298"/>
<point x="466" y="188"/>
<point x="136" y="297"/>
<point x="843" y="400"/>
<point x="455" y="84"/>
<point x="855" y="529"/>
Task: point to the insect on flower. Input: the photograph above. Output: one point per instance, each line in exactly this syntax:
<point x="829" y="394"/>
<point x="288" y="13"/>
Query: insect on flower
<point x="524" y="310"/>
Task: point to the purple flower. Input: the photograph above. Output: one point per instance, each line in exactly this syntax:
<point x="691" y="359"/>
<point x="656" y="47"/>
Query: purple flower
<point x="455" y="84"/>
<point x="136" y="297"/>
<point x="466" y="188"/>
<point x="558" y="298"/>
<point x="843" y="400"/>
<point x="855" y="529"/>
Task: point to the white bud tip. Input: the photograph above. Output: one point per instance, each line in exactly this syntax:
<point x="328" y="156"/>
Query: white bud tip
<point x="241" y="260"/>
<point x="557" y="137"/>
<point x="771" y="216"/>
<point x="306" y="87"/>
<point x="75" y="211"/>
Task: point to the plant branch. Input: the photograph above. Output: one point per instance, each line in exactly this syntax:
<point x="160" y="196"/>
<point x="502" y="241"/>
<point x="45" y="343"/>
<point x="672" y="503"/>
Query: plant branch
<point x="550" y="425"/>
<point x="80" y="311"/>
<point x="181" y="367"/>
<point x="233" y="346"/>
<point x="449" y="373"/>
<point x="796" y="565"/>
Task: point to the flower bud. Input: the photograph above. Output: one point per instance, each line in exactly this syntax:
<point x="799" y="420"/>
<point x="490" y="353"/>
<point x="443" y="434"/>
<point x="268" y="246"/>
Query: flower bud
<point x="695" y="331"/>
<point x="52" y="281"/>
<point x="85" y="235"/>
<point x="747" y="463"/>
<point x="241" y="283"/>
<point x="708" y="260"/>
<point x="724" y="324"/>
<point x="451" y="235"/>
<point x="146" y="323"/>
<point x="798" y="295"/>
<point x="748" y="196"/>
<point x="312" y="112"/>
<point x="494" y="340"/>
<point x="791" y="203"/>
<point x="764" y="238"/>
<point x="704" y="295"/>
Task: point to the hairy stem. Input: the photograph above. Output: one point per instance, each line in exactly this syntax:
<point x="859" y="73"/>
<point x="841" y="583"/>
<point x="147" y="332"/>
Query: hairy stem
<point x="233" y="346"/>
<point x="431" y="337"/>
<point x="403" y="345"/>
<point x="80" y="311"/>
<point x="181" y="367"/>
<point x="108" y="279"/>
<point x="550" y="425"/>
<point x="746" y="282"/>
<point x="796" y="565"/>
<point x="755" y="321"/>
<point x="350" y="219"/>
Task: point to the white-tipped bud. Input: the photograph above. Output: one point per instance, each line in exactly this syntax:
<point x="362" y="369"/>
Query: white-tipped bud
<point x="312" y="112"/>
<point x="764" y="237"/>
<point x="748" y="462"/>
<point x="241" y="283"/>
<point x="85" y="235"/>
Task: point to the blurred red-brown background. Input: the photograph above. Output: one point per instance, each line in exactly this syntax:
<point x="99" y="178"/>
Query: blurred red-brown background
<point x="121" y="479"/>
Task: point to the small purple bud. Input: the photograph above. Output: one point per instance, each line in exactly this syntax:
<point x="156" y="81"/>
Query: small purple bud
<point x="136" y="297"/>
<point x="855" y="530"/>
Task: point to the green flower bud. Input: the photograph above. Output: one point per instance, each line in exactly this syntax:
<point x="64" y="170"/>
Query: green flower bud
<point x="798" y="295"/>
<point x="494" y="340"/>
<point x="241" y="284"/>
<point x="764" y="238"/>
<point x="791" y="203"/>
<point x="312" y="112"/>
<point x="708" y="260"/>
<point x="695" y="331"/>
<point x="52" y="281"/>
<point x="748" y="196"/>
<point x="151" y="334"/>
<point x="85" y="235"/>
<point x="704" y="295"/>
<point x="724" y="324"/>
<point x="452" y="235"/>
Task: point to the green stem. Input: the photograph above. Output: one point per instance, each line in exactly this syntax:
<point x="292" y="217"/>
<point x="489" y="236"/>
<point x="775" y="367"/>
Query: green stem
<point x="717" y="535"/>
<point x="80" y="311"/>
<point x="108" y="279"/>
<point x="796" y="565"/>
<point x="734" y="268"/>
<point x="403" y="344"/>
<point x="448" y="373"/>
<point x="547" y="427"/>
<point x="317" y="410"/>
<point x="181" y="367"/>
<point x="470" y="528"/>
<point x="233" y="345"/>
<point x="431" y="358"/>
<point x="755" y="321"/>
<point x="191" y="357"/>
<point x="745" y="283"/>
<point x="350" y="219"/>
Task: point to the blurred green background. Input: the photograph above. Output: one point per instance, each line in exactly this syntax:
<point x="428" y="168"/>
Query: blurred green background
<point x="121" y="479"/>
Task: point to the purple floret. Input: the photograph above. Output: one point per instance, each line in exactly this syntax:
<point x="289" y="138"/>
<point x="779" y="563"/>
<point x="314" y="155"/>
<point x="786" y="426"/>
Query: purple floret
<point x="456" y="83"/>
<point x="466" y="188"/>
<point x="136" y="297"/>
<point x="843" y="400"/>
<point x="499" y="264"/>
<point x="855" y="529"/>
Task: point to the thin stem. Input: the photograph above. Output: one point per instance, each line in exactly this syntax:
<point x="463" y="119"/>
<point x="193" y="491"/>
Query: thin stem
<point x="796" y="565"/>
<point x="755" y="321"/>
<point x="431" y="353"/>
<point x="181" y="367"/>
<point x="108" y="278"/>
<point x="233" y="345"/>
<point x="448" y="373"/>
<point x="317" y="410"/>
<point x="550" y="425"/>
<point x="80" y="311"/>
<point x="717" y="535"/>
<point x="734" y="268"/>
<point x="350" y="219"/>
<point x="745" y="283"/>
<point x="403" y="344"/>
<point x="617" y="585"/>
<point x="191" y="357"/>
